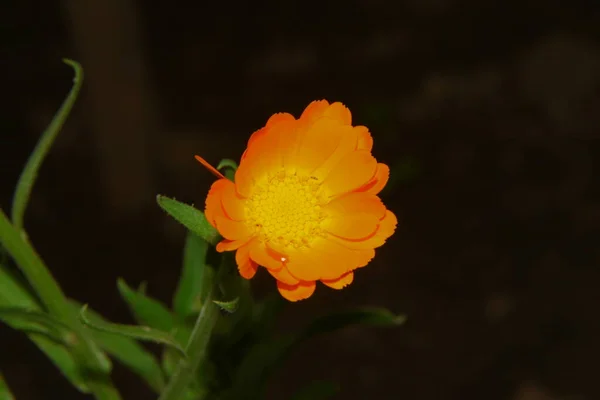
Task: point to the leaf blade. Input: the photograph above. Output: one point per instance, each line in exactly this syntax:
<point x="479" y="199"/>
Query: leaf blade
<point x="195" y="273"/>
<point x="29" y="174"/>
<point x="5" y="393"/>
<point x="143" y="333"/>
<point x="190" y="217"/>
<point x="146" y="310"/>
<point x="127" y="351"/>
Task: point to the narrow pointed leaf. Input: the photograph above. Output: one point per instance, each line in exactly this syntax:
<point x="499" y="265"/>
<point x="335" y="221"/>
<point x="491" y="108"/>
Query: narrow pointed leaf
<point x="5" y="393"/>
<point x="29" y="320"/>
<point x="190" y="217"/>
<point x="29" y="174"/>
<point x="317" y="391"/>
<point x="12" y="294"/>
<point x="62" y="358"/>
<point x="146" y="310"/>
<point x="144" y="333"/>
<point x="14" y="291"/>
<point x="228" y="306"/>
<point x="195" y="276"/>
<point x="127" y="351"/>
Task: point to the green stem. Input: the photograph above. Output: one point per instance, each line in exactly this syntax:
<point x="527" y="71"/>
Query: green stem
<point x="51" y="295"/>
<point x="195" y="349"/>
<point x="29" y="174"/>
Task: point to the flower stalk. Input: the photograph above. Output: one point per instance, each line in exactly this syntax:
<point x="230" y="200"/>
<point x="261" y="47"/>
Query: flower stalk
<point x="195" y="350"/>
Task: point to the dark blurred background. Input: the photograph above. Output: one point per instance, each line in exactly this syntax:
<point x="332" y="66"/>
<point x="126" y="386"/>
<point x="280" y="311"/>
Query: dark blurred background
<point x="487" y="111"/>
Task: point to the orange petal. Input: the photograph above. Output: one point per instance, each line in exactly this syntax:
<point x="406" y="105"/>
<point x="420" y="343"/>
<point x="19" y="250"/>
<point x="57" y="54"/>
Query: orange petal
<point x="378" y="182"/>
<point x="213" y="201"/>
<point x="339" y="112"/>
<point x="246" y="266"/>
<point x="305" y="264"/>
<point x="353" y="171"/>
<point x="265" y="256"/>
<point x="340" y="259"/>
<point x="346" y="144"/>
<point x="228" y="245"/>
<point x="356" y="203"/>
<point x="267" y="153"/>
<point x="326" y="259"/>
<point x="244" y="181"/>
<point x="357" y="226"/>
<point x="387" y="226"/>
<point x="279" y="117"/>
<point x="301" y="291"/>
<point x="283" y="275"/>
<point x="321" y="108"/>
<point x="255" y="135"/>
<point x="340" y="282"/>
<point x="232" y="230"/>
<point x="314" y="110"/>
<point x="317" y="143"/>
<point x="365" y="140"/>
<point x="209" y="167"/>
<point x="233" y="204"/>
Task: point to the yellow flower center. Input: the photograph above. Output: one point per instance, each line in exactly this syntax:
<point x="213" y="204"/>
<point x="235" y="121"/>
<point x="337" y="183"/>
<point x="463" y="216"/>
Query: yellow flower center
<point x="285" y="208"/>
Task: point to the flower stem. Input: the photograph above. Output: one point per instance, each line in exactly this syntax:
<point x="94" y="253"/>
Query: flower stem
<point x="93" y="364"/>
<point x="196" y="351"/>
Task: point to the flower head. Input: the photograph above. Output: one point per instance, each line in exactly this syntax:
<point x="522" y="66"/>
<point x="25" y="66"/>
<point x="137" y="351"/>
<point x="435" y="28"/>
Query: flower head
<point x="304" y="204"/>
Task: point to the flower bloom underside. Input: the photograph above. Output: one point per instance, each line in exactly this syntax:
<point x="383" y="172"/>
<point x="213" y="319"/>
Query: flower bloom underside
<point x="304" y="204"/>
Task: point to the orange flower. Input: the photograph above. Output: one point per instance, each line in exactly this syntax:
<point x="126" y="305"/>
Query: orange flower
<point x="304" y="204"/>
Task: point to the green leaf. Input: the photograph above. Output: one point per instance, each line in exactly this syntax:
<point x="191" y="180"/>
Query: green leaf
<point x="195" y="280"/>
<point x="12" y="294"/>
<point x="13" y="290"/>
<point x="231" y="168"/>
<point x="144" y="333"/>
<point x="5" y="393"/>
<point x="146" y="310"/>
<point x="190" y="217"/>
<point x="29" y="174"/>
<point x="33" y="321"/>
<point x="127" y="351"/>
<point x="62" y="358"/>
<point x="316" y="391"/>
<point x="363" y="316"/>
<point x="228" y="306"/>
